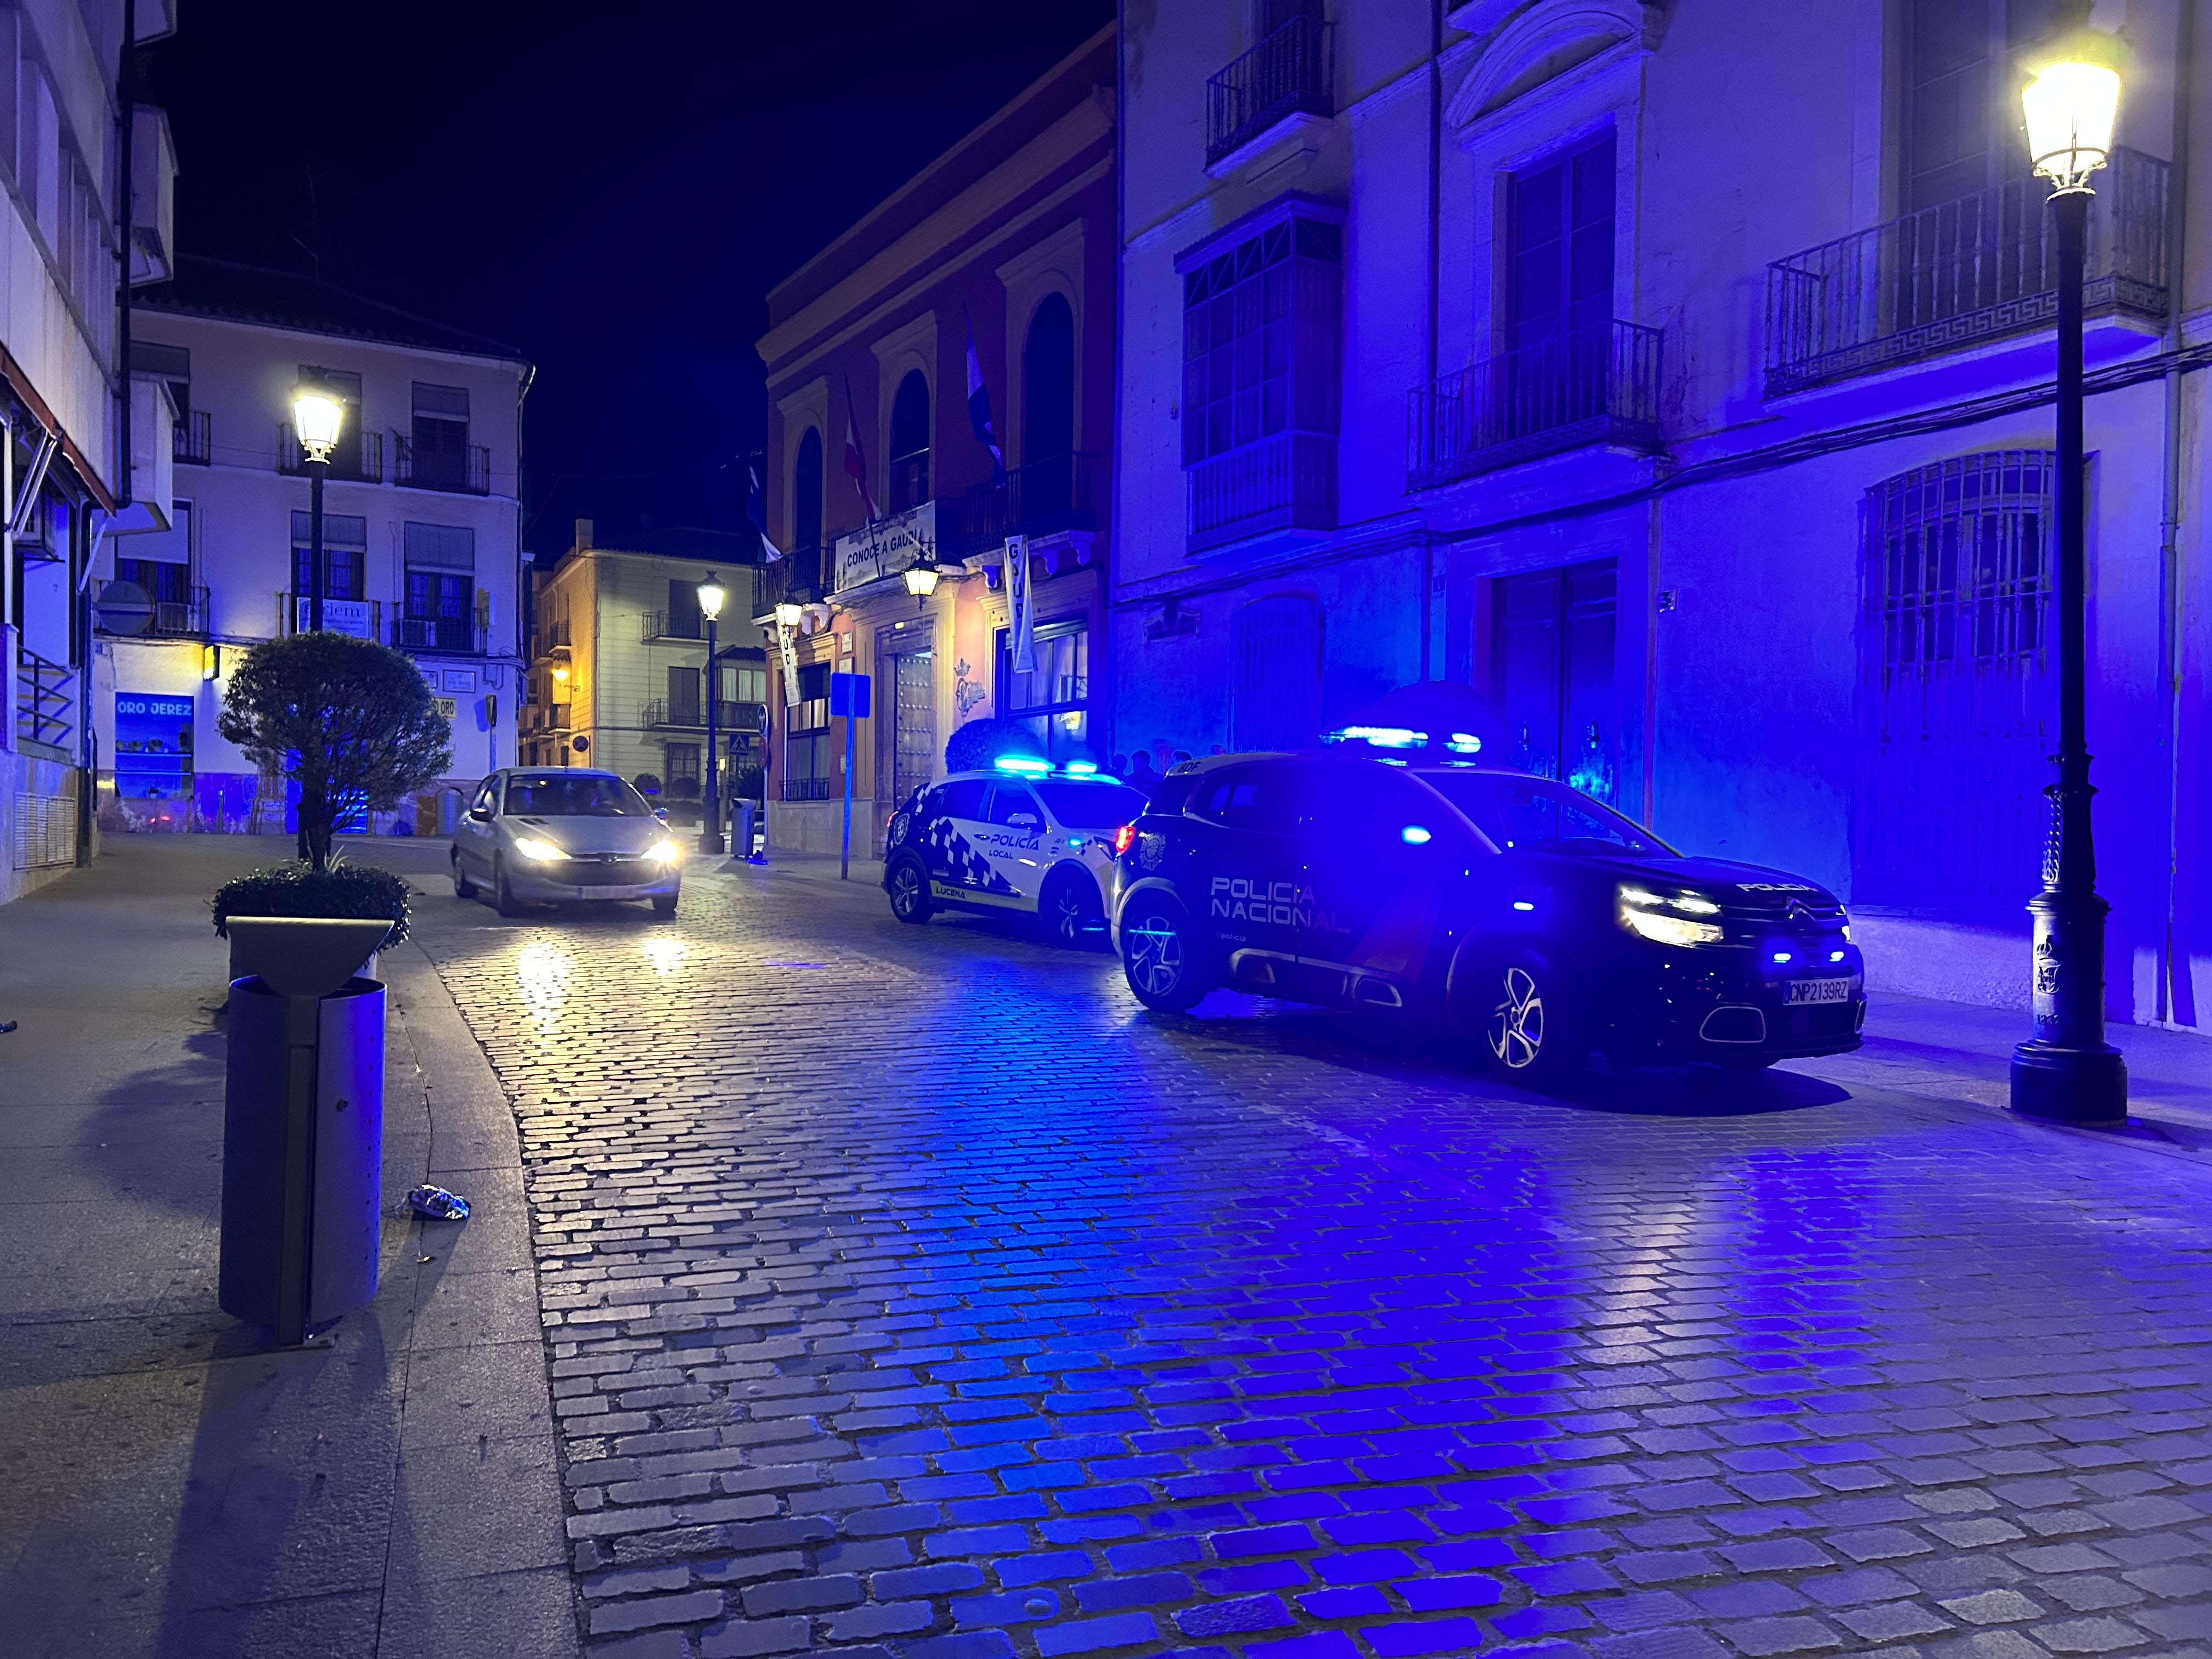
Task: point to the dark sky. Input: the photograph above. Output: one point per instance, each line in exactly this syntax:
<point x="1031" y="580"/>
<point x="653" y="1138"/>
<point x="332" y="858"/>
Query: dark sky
<point x="611" y="188"/>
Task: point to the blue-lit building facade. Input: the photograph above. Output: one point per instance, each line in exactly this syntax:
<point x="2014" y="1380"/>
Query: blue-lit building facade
<point x="1679" y="377"/>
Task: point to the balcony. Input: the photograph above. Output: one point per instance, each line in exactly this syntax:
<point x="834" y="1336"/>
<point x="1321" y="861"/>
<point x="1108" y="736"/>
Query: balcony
<point x="1031" y="501"/>
<point x="466" y="472"/>
<point x="1976" y="268"/>
<point x="358" y="458"/>
<point x="1286" y="481"/>
<point x="542" y="717"/>
<point x="795" y="578"/>
<point x="552" y="637"/>
<point x="730" y="715"/>
<point x="1594" y="386"/>
<point x="446" y="636"/>
<point x="671" y="625"/>
<point x="1286" y="74"/>
<point x="184" y="618"/>
<point x="192" y="439"/>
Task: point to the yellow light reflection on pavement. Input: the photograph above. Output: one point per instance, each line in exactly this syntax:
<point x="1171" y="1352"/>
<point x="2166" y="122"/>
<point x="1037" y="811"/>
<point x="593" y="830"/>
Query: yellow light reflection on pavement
<point x="665" y="955"/>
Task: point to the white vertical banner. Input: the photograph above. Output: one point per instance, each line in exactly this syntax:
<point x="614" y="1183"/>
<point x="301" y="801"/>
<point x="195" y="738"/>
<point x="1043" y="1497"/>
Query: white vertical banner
<point x="787" y="648"/>
<point x="1020" y="610"/>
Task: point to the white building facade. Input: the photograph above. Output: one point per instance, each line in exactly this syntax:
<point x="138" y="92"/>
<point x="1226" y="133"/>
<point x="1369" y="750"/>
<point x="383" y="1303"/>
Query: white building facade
<point x="66" y="238"/>
<point x="1677" y="377"/>
<point x="421" y="538"/>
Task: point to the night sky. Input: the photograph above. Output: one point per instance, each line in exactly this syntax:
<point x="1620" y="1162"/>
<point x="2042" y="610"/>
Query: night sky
<point x="613" y="190"/>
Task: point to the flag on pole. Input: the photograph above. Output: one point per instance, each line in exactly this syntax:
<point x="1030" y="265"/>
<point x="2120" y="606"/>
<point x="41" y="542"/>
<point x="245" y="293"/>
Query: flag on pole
<point x="856" y="463"/>
<point x="756" y="506"/>
<point x="979" y="404"/>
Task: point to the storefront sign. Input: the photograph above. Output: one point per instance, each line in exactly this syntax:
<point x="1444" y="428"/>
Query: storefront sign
<point x="153" y="747"/>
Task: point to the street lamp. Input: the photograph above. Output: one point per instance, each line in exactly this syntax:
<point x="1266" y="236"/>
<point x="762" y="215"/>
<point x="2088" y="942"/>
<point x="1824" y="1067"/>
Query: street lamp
<point x="710" y="606"/>
<point x="921" y="582"/>
<point x="2066" y="1070"/>
<point x="316" y="417"/>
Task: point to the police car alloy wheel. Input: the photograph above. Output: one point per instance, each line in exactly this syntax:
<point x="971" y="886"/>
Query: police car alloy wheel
<point x="1160" y="958"/>
<point x="1071" y="909"/>
<point x="909" y="885"/>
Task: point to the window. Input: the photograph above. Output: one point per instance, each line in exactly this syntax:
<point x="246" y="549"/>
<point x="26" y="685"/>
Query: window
<point x="684" y="696"/>
<point x="438" y="442"/>
<point x="166" y="583"/>
<point x="681" y="769"/>
<point x="684" y="620"/>
<point x="1527" y="813"/>
<point x="744" y="682"/>
<point x="1054" y="699"/>
<point x="1095" y="805"/>
<point x="1551" y="674"/>
<point x="813" y="681"/>
<point x="438" y="601"/>
<point x="1275" y="702"/>
<point x="1955" y="693"/>
<point x="345" y="556"/>
<point x="558" y="796"/>
<point x="962" y="798"/>
<point x="1260" y="326"/>
<point x="1010" y="803"/>
<point x="1560" y="237"/>
<point x="1961" y="120"/>
<point x="805" y="550"/>
<point x="1049" y="383"/>
<point x="910" y="443"/>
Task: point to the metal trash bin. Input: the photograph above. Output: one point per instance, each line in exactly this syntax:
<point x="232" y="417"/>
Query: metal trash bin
<point x="303" y="1129"/>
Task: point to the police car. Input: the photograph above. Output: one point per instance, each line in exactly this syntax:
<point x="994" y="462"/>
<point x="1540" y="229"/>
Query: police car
<point x="1514" y="906"/>
<point x="1024" y="837"/>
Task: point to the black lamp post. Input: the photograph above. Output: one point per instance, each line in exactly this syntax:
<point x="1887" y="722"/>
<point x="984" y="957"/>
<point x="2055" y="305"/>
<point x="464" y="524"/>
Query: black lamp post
<point x="316" y="417"/>
<point x="2066" y="1071"/>
<point x="710" y="606"/>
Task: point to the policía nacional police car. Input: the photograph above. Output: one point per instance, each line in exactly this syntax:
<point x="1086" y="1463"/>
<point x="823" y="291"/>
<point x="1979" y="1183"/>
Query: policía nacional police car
<point x="1024" y="837"/>
<point x="1538" y="919"/>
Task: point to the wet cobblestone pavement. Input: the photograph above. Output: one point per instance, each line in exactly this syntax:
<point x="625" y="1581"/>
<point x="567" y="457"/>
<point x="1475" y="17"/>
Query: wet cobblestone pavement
<point x="914" y="1293"/>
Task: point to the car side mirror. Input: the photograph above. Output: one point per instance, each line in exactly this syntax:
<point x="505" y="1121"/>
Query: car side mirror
<point x="481" y="814"/>
<point x="660" y="813"/>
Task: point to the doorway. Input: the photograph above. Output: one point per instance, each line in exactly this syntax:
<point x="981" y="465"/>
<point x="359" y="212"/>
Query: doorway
<point x="914" y="728"/>
<point x="1553" y="675"/>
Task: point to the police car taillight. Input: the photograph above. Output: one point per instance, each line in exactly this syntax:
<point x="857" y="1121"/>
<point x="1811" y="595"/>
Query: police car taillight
<point x="1124" y="839"/>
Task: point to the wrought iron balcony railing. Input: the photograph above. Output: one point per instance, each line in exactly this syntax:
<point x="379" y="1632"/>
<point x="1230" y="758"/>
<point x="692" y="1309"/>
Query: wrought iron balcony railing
<point x="45" y="699"/>
<point x="1285" y="74"/>
<point x="799" y="577"/>
<point x="466" y="472"/>
<point x="1031" y="501"/>
<point x="671" y="625"/>
<point x="730" y="715"/>
<point x="1982" y="266"/>
<point x="358" y="457"/>
<point x="192" y="439"/>
<point x="450" y="634"/>
<point x="1284" y="482"/>
<point x="1597" y="385"/>
<point x="807" y="788"/>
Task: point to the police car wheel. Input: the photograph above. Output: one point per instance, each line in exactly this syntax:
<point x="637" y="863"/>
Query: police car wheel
<point x="1069" y="911"/>
<point x="1530" y="1033"/>
<point x="463" y="887"/>
<point x="1162" y="959"/>
<point x="909" y="887"/>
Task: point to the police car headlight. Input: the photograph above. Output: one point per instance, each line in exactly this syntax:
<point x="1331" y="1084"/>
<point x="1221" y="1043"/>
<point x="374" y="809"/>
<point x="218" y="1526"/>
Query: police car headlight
<point x="1669" y="919"/>
<point x="530" y="847"/>
<point x="664" y="852"/>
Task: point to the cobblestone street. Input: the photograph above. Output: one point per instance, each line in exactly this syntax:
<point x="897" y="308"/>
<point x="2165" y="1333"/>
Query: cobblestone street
<point x="913" y="1291"/>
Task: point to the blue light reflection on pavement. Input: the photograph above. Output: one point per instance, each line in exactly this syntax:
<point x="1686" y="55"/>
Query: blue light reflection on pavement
<point x="1279" y="1326"/>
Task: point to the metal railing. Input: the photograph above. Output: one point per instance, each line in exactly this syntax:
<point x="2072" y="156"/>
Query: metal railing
<point x="183" y="618"/>
<point x="671" y="625"/>
<point x="797" y="577"/>
<point x="545" y="716"/>
<point x="1597" y="385"/>
<point x="357" y="458"/>
<point x="450" y="634"/>
<point x="1045" y="495"/>
<point x="1284" y="482"/>
<point x="45" y="699"/>
<point x="192" y="439"/>
<point x="1285" y="74"/>
<point x="808" y="789"/>
<point x="1974" y="268"/>
<point x="730" y="715"/>
<point x="467" y="473"/>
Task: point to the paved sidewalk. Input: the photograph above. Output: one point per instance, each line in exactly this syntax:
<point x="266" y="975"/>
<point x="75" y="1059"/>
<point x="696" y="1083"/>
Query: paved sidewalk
<point x="168" y="1490"/>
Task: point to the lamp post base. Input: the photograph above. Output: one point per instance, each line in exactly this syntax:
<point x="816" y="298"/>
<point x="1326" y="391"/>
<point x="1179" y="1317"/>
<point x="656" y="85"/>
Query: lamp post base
<point x="2070" y="1085"/>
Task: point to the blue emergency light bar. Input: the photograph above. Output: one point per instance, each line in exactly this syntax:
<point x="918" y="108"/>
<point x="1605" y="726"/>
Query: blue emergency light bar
<point x="1382" y="737"/>
<point x="1027" y="765"/>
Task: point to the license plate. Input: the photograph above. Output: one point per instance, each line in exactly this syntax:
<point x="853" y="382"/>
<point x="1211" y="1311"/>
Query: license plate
<point x="603" y="892"/>
<point x="1817" y="990"/>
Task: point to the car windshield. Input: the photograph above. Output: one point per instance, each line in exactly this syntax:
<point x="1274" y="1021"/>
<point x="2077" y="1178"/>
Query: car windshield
<point x="1535" y="812"/>
<point x="575" y="798"/>
<point x="1100" y="805"/>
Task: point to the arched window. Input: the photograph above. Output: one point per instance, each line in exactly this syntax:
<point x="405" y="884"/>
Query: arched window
<point x="1049" y="382"/>
<point x="806" y="497"/>
<point x="910" y="443"/>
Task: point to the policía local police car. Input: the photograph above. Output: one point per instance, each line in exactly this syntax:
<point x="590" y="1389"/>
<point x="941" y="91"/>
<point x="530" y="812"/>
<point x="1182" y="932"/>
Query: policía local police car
<point x="1513" y="906"/>
<point x="1024" y="837"/>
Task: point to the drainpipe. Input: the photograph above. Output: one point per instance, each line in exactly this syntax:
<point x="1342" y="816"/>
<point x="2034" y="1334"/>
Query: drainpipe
<point x="126" y="123"/>
<point x="1102" y="741"/>
<point x="2176" y="999"/>
<point x="1436" y="256"/>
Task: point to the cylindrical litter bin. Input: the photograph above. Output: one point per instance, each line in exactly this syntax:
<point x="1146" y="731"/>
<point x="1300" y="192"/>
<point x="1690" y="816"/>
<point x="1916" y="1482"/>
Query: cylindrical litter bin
<point x="302" y="1154"/>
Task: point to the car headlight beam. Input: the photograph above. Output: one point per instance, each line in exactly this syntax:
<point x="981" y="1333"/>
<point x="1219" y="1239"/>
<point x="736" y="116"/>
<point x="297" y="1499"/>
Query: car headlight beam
<point x="536" y="849"/>
<point x="1670" y="918"/>
<point x="664" y="852"/>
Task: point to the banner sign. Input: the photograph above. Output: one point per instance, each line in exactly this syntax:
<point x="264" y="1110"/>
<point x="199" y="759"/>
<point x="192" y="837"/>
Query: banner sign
<point x="1021" y="611"/>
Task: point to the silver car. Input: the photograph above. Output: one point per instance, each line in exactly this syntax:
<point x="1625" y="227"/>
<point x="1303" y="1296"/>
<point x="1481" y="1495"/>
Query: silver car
<point x="561" y="835"/>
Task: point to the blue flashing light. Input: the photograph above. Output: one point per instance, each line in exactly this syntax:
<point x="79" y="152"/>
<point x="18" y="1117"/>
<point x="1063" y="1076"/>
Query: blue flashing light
<point x="1382" y="737"/>
<point x="1075" y="841"/>
<point x="1080" y="769"/>
<point x="1782" y="956"/>
<point x="1414" y="835"/>
<point x="1464" y="743"/>
<point x="1024" y="764"/>
<point x="1523" y="904"/>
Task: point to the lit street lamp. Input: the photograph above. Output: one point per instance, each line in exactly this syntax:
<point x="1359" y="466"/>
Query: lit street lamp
<point x="316" y="417"/>
<point x="921" y="582"/>
<point x="710" y="606"/>
<point x="2066" y="1071"/>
